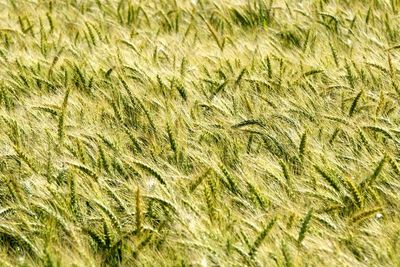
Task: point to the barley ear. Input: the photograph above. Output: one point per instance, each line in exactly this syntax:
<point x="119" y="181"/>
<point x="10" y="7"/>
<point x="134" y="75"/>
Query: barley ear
<point x="363" y="215"/>
<point x="358" y="198"/>
<point x="370" y="179"/>
<point x="354" y="104"/>
<point x="260" y="238"/>
<point x="350" y="76"/>
<point x="139" y="213"/>
<point x="302" y="147"/>
<point x="74" y="199"/>
<point x="332" y="181"/>
<point x="305" y="225"/>
<point x="61" y="118"/>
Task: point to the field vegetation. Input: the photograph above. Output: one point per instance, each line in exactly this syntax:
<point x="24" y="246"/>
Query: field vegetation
<point x="199" y="133"/>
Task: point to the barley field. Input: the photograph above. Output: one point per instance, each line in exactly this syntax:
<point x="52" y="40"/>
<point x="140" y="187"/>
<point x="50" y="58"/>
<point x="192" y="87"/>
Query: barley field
<point x="199" y="133"/>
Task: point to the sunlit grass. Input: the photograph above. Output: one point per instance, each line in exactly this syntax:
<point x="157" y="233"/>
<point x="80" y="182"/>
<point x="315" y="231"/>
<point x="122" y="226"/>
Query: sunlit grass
<point x="199" y="133"/>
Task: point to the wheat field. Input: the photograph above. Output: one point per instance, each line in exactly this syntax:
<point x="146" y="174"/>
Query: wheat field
<point x="199" y="133"/>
